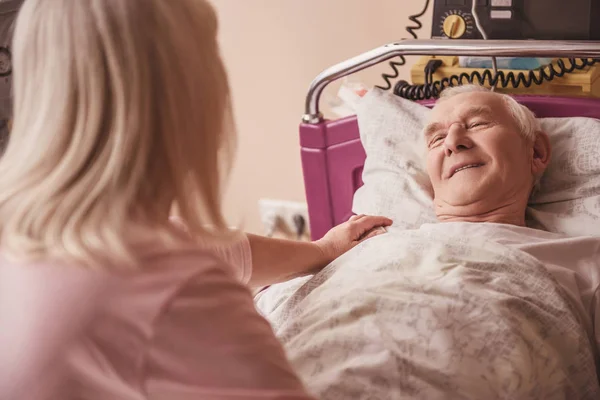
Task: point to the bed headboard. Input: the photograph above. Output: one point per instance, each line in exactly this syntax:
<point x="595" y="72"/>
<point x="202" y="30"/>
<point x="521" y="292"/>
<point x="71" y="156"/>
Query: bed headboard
<point x="332" y="154"/>
<point x="333" y="157"/>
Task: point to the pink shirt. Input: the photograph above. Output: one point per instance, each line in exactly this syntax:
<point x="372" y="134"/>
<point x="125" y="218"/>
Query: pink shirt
<point x="184" y="327"/>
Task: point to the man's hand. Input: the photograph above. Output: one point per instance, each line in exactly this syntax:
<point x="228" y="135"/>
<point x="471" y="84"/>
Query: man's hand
<point x="347" y="235"/>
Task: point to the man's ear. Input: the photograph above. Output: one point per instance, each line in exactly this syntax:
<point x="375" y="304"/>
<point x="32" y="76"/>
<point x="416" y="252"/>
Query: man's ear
<point x="541" y="153"/>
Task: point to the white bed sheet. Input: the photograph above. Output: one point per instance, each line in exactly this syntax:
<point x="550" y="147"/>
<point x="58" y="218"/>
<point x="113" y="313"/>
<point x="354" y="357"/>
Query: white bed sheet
<point x="455" y="310"/>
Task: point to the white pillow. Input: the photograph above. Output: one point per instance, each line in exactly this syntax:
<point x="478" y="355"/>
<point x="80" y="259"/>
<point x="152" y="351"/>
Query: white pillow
<point x="396" y="184"/>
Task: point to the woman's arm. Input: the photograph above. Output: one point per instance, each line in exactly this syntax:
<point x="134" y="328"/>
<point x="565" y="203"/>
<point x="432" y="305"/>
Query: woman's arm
<point x="278" y="260"/>
<point x="264" y="261"/>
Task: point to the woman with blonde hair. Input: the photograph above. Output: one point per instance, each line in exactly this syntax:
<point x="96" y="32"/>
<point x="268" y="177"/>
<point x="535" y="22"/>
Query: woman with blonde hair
<point x="122" y="112"/>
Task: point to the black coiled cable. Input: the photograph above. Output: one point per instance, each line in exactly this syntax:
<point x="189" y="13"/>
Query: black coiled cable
<point x="395" y="64"/>
<point x="500" y="79"/>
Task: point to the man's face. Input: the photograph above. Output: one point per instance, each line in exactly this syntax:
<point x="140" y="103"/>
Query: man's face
<point x="476" y="158"/>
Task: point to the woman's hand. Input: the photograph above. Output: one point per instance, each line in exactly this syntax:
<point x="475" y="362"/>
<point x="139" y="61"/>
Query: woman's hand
<point x="347" y="235"/>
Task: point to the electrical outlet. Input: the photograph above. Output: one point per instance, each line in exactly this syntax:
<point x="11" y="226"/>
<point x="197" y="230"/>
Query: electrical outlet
<point x="278" y="217"/>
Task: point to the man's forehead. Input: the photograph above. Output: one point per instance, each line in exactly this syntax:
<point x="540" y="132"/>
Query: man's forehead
<point x="466" y="104"/>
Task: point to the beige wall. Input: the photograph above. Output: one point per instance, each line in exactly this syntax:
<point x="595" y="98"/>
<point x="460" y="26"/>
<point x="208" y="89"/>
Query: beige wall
<point x="273" y="49"/>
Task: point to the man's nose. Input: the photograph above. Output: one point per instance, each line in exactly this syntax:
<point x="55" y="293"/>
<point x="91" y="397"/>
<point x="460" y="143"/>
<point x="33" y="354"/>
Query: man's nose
<point x="457" y="140"/>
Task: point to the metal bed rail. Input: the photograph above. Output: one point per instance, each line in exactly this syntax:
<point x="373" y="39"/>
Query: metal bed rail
<point x="438" y="47"/>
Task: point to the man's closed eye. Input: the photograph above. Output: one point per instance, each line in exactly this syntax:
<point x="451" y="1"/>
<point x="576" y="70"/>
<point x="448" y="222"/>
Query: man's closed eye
<point x="436" y="140"/>
<point x="478" y="124"/>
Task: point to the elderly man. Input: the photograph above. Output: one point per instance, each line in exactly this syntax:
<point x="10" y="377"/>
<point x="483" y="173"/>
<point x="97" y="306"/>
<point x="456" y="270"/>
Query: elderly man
<point x="484" y="154"/>
<point x="477" y="306"/>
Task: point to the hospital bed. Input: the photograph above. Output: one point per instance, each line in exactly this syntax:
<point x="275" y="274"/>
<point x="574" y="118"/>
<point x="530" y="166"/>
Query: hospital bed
<point x="425" y="312"/>
<point x="332" y="153"/>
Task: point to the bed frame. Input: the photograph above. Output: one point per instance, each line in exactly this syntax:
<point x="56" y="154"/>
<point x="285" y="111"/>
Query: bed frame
<point x="331" y="151"/>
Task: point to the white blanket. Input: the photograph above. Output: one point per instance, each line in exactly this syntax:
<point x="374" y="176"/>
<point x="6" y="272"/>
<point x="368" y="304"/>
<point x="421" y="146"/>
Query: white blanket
<point x="415" y="315"/>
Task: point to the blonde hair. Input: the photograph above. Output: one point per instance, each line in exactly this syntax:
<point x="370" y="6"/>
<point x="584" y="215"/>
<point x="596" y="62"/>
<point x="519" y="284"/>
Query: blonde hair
<point x="122" y="109"/>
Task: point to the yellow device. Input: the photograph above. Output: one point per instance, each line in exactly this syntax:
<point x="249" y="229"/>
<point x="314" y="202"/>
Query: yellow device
<point x="583" y="83"/>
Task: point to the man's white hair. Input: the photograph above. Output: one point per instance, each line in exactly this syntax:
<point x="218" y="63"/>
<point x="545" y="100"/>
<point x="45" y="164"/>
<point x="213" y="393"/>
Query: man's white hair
<point x="525" y="119"/>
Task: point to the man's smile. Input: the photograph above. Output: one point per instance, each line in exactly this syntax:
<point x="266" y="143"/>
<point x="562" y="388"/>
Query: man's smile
<point x="463" y="166"/>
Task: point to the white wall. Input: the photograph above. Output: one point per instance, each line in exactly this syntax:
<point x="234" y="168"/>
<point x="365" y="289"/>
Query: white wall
<point x="273" y="49"/>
